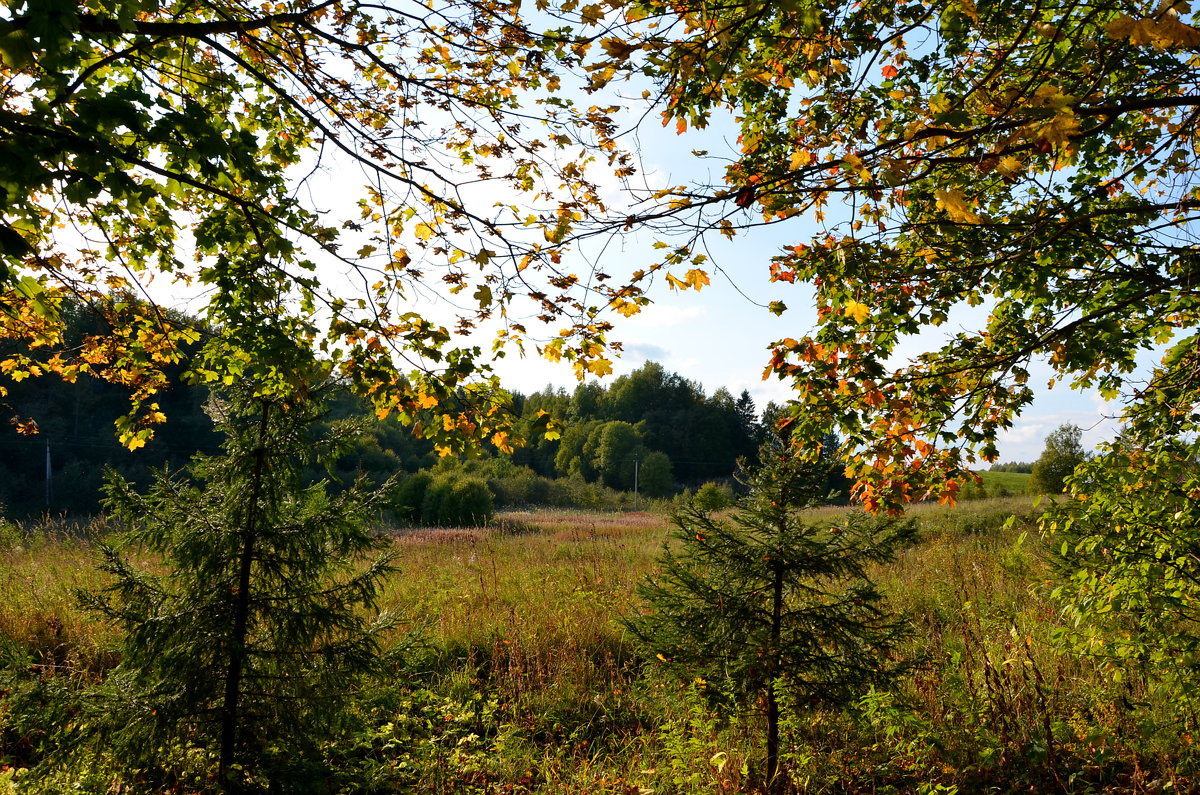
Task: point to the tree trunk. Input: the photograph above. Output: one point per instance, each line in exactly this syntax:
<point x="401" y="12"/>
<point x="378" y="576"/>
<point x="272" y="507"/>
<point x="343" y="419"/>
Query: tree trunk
<point x="774" y="782"/>
<point x="229" y="780"/>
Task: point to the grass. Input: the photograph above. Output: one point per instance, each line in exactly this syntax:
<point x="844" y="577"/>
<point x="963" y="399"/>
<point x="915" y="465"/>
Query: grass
<point x="997" y="483"/>
<point x="513" y="675"/>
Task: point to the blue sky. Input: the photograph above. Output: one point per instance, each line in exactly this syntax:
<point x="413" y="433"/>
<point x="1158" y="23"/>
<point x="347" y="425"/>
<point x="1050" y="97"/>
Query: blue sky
<point x="720" y="335"/>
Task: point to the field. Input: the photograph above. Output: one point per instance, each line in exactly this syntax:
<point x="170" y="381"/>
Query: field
<point x="1005" y="483"/>
<point x="511" y="674"/>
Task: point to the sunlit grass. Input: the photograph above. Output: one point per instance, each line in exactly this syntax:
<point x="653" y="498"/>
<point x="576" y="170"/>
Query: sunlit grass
<point x="511" y="633"/>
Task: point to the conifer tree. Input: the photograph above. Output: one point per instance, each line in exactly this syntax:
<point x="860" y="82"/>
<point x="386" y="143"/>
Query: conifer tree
<point x="240" y="649"/>
<point x="770" y="602"/>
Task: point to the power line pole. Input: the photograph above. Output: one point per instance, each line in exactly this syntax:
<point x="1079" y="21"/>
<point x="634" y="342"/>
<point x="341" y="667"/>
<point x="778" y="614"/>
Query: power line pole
<point x="48" y="473"/>
<point x="635" y="484"/>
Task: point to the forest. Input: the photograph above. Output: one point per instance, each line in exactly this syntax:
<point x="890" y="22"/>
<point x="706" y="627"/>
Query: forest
<point x="273" y="524"/>
<point x="652" y="421"/>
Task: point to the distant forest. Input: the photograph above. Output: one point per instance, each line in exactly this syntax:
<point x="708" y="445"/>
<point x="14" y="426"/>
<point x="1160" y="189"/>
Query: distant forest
<point x="651" y="424"/>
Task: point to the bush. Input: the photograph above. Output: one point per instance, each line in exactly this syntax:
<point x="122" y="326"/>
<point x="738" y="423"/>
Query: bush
<point x="409" y="496"/>
<point x="519" y="486"/>
<point x="455" y="499"/>
<point x="1126" y="554"/>
<point x="713" y="497"/>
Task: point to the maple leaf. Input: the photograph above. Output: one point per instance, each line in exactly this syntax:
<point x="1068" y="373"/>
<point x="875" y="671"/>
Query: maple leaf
<point x="26" y="426"/>
<point x="501" y="440"/>
<point x="955" y="204"/>
<point x="857" y="311"/>
<point x="600" y="366"/>
<point x="1009" y="166"/>
<point x="696" y="278"/>
<point x="626" y="308"/>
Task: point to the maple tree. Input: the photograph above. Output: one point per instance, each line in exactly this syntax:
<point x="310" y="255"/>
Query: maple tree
<point x="186" y="143"/>
<point x="1036" y="160"/>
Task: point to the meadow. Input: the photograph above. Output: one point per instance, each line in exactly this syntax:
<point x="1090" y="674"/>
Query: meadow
<point x="509" y="672"/>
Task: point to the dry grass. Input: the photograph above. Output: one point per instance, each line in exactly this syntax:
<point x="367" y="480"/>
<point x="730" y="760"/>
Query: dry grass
<point x="524" y="615"/>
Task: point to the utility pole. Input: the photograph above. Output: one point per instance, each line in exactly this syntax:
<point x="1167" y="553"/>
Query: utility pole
<point x="635" y="484"/>
<point x="48" y="473"/>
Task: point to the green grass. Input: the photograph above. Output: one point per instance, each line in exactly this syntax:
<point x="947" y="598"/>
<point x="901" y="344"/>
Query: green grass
<point x="1012" y="482"/>
<point x="512" y="673"/>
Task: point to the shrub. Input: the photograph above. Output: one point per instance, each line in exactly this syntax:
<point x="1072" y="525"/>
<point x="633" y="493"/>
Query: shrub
<point x="408" y="497"/>
<point x="713" y="497"/>
<point x="455" y="499"/>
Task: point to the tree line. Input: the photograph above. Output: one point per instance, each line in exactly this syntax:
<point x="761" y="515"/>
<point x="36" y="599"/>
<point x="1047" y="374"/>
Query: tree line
<point x="651" y="429"/>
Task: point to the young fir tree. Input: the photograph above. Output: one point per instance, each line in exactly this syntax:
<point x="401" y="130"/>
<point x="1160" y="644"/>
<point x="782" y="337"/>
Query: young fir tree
<point x="770" y="602"/>
<point x="240" y="648"/>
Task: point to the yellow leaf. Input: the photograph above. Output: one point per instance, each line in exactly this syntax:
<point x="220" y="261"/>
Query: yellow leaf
<point x="955" y="204"/>
<point x="800" y="159"/>
<point x="1171" y="32"/>
<point x="553" y="351"/>
<point x="626" y="308"/>
<point x="1121" y="27"/>
<point x="600" y="366"/>
<point x="1061" y="128"/>
<point x="26" y="427"/>
<point x="618" y="49"/>
<point x="500" y="439"/>
<point x="423" y="231"/>
<point x="1009" y="166"/>
<point x="696" y="278"/>
<point x="853" y="309"/>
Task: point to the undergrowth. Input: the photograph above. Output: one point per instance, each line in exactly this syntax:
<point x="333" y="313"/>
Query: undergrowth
<point x="510" y="675"/>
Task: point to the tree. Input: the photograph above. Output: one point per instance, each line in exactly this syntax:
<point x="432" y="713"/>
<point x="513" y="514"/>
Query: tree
<point x="1129" y="576"/>
<point x="1037" y="161"/>
<point x="614" y="446"/>
<point x="770" y="601"/>
<point x="181" y="142"/>
<point x="750" y="430"/>
<point x="655" y="478"/>
<point x="242" y="649"/>
<point x="1064" y="451"/>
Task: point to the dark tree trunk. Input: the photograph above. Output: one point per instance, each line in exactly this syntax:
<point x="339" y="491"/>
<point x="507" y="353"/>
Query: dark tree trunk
<point x="774" y="782"/>
<point x="229" y="779"/>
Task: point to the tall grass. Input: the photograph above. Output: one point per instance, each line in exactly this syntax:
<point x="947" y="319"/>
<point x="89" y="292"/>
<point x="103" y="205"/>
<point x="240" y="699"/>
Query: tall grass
<point x="41" y="623"/>
<point x="513" y="675"/>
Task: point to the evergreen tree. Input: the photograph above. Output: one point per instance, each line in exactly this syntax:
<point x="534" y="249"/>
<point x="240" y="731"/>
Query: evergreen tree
<point x="770" y="601"/>
<point x="750" y="427"/>
<point x="240" y="651"/>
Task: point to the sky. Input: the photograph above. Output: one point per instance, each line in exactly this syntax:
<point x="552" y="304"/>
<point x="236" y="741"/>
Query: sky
<point x="720" y="336"/>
